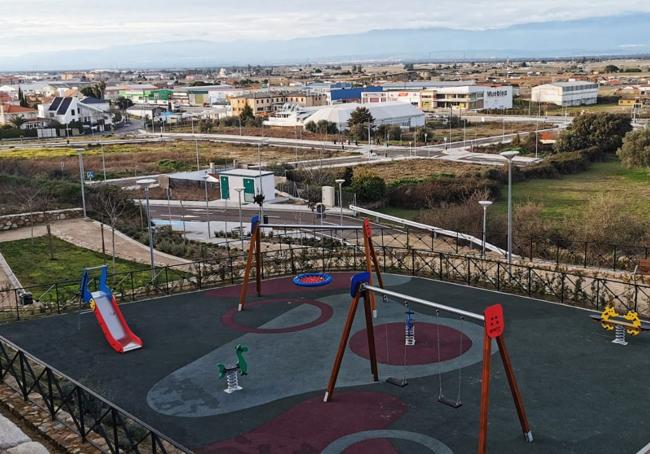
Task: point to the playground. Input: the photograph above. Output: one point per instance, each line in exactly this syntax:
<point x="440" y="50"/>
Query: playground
<point x="574" y="382"/>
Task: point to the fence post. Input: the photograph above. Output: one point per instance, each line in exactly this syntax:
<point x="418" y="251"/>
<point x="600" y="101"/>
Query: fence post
<point x="80" y="407"/>
<point x="199" y="276"/>
<point x="440" y="272"/>
<point x="50" y="391"/>
<point x="167" y="278"/>
<point x="23" y="378"/>
<point x="557" y="255"/>
<point x="562" y="288"/>
<point x="469" y="275"/>
<point x="56" y="292"/>
<point x="412" y="262"/>
<point x="531" y="247"/>
<point x="457" y="235"/>
<point x="586" y="249"/>
<point x="232" y="269"/>
<point x="597" y="293"/>
<point x="530" y="283"/>
<point x="132" y="286"/>
<point x="17" y="304"/>
<point x="614" y="264"/>
<point x="498" y="275"/>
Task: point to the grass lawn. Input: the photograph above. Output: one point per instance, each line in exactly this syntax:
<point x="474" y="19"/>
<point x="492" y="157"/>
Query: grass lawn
<point x="32" y="264"/>
<point x="564" y="196"/>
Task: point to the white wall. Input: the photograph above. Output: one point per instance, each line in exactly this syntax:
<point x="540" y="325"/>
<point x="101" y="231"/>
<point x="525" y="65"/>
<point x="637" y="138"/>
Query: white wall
<point x="497" y="97"/>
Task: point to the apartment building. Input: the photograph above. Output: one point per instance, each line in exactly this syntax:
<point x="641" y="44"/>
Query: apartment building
<point x="267" y="103"/>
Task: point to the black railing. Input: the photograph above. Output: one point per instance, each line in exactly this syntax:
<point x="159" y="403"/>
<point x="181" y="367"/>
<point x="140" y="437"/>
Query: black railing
<point x="98" y="421"/>
<point x="287" y="258"/>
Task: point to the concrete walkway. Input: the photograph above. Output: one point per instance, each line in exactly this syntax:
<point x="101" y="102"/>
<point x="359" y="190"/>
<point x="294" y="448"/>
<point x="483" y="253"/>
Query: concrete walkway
<point x="14" y="441"/>
<point x="86" y="233"/>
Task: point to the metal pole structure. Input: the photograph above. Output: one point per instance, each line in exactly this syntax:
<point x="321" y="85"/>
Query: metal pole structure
<point x="196" y="148"/>
<point x="485" y="204"/>
<point x="103" y="162"/>
<point x="81" y="178"/>
<point x="340" y="182"/>
<point x="509" y="155"/>
<point x="241" y="224"/>
<point x="207" y="204"/>
<point x="146" y="183"/>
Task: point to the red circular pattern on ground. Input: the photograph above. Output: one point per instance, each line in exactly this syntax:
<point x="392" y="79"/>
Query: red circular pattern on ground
<point x="229" y="318"/>
<point x="425" y="350"/>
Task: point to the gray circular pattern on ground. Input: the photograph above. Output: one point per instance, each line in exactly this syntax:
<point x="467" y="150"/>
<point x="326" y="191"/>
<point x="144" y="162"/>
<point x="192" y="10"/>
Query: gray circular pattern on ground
<point x="341" y="444"/>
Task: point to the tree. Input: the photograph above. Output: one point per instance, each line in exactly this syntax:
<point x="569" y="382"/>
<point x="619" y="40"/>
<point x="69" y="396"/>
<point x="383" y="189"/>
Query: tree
<point x="123" y="103"/>
<point x="94" y="91"/>
<point x="18" y="121"/>
<point x="368" y="186"/>
<point x="247" y="114"/>
<point x="602" y="130"/>
<point x="360" y="120"/>
<point x="635" y="151"/>
<point x="612" y="69"/>
<point x="311" y="126"/>
<point x="21" y="98"/>
<point x="110" y="202"/>
<point x="326" y="127"/>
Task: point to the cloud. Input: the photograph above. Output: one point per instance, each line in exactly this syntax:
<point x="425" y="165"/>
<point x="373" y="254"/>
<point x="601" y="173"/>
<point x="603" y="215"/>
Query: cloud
<point x="44" y="25"/>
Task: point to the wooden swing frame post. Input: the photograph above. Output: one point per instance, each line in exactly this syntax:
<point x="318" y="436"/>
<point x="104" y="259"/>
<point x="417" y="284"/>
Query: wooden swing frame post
<point x="255" y="256"/>
<point x="493" y="323"/>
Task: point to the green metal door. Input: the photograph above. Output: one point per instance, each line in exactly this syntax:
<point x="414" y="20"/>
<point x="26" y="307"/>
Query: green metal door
<point x="225" y="188"/>
<point x="249" y="189"/>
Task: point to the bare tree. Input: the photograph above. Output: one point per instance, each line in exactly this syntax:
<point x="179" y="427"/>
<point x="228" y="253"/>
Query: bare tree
<point x="111" y="202"/>
<point x="29" y="201"/>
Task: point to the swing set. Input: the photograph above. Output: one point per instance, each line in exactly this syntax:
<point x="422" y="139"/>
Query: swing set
<point x="255" y="258"/>
<point x="491" y="319"/>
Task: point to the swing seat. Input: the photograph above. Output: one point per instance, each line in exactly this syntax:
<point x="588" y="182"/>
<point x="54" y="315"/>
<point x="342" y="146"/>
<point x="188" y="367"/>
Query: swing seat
<point x="401" y="382"/>
<point x="449" y="402"/>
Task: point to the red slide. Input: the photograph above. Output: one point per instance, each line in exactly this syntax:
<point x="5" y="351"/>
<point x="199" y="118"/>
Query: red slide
<point x="110" y="318"/>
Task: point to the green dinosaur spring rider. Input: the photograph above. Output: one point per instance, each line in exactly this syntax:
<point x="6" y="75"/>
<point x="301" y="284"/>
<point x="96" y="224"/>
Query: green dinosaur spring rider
<point x="232" y="371"/>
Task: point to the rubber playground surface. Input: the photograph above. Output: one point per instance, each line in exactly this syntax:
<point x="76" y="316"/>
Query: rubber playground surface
<point x="582" y="393"/>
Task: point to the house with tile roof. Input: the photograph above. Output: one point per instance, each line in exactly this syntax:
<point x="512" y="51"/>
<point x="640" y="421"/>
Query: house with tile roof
<point x="9" y="112"/>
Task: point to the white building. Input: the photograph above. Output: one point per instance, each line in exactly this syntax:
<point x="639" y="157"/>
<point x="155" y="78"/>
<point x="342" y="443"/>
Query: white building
<point x="410" y="97"/>
<point x="499" y="97"/>
<point x="387" y="113"/>
<point x="571" y="93"/>
<point x="252" y="181"/>
<point x="65" y="110"/>
<point x="290" y="115"/>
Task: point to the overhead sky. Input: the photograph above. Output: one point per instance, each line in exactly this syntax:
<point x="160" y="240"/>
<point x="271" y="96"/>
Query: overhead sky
<point x="44" y="25"/>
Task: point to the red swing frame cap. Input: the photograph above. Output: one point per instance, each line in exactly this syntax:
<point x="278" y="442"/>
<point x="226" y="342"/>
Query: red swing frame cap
<point x="494" y="323"/>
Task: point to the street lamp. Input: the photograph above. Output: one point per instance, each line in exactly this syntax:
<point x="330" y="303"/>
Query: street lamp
<point x="239" y="189"/>
<point x="509" y="155"/>
<point x="81" y="178"/>
<point x="207" y="204"/>
<point x="340" y="182"/>
<point x="485" y="204"/>
<point x="146" y="183"/>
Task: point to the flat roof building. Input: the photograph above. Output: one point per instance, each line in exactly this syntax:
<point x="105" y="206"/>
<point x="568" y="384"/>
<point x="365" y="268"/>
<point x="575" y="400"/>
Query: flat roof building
<point x="570" y="93"/>
<point x="388" y="113"/>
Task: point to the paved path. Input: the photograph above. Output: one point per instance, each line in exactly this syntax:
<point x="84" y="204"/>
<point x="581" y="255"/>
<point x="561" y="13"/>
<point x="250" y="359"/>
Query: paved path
<point x="86" y="233"/>
<point x="14" y="441"/>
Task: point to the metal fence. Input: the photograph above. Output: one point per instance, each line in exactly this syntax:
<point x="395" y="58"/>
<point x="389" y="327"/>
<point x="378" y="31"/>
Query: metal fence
<point x="98" y="421"/>
<point x="288" y="255"/>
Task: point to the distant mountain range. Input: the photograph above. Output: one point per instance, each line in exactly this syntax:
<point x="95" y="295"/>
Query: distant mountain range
<point x="616" y="35"/>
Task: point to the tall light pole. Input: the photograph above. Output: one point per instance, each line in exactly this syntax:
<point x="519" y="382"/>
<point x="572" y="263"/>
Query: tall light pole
<point x="261" y="189"/>
<point x="207" y="203"/>
<point x="103" y="162"/>
<point x="485" y="204"/>
<point x="239" y="189"/>
<point x="81" y="178"/>
<point x="509" y="155"/>
<point x="146" y="183"/>
<point x="340" y="182"/>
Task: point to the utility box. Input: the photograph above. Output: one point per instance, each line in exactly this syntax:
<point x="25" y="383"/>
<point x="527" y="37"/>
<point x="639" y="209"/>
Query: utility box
<point x="251" y="182"/>
<point x="328" y="196"/>
<point x="26" y="298"/>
